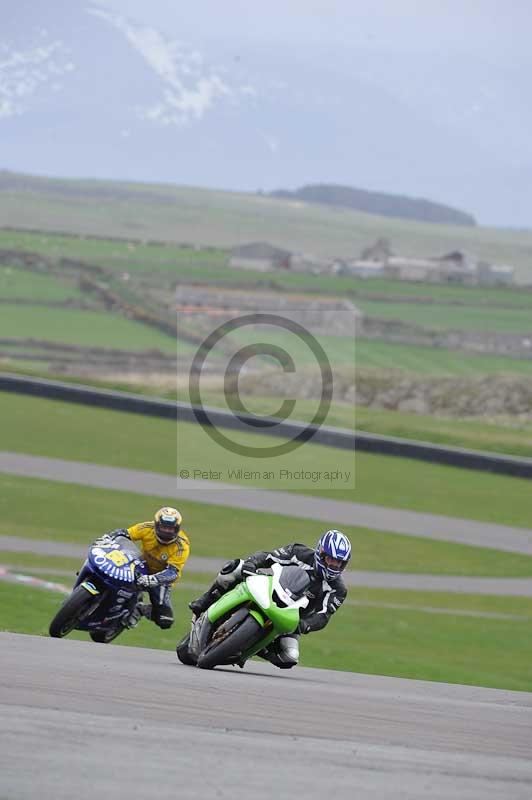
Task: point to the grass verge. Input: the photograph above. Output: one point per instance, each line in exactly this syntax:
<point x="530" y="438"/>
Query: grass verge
<point x="67" y="513"/>
<point x="64" y="430"/>
<point x="501" y="435"/>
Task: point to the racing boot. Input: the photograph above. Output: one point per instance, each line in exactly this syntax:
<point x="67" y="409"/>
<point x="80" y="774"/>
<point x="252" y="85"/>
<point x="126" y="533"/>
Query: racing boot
<point x="282" y="653"/>
<point x="133" y="619"/>
<point x="145" y="609"/>
<point x="203" y="602"/>
<point x="140" y="610"/>
<point x="229" y="575"/>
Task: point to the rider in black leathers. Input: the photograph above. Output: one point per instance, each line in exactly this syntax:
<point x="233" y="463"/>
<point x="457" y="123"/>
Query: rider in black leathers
<point x="326" y="594"/>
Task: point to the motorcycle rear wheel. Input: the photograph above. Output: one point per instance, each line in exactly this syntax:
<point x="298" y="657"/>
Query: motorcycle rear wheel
<point x="183" y="653"/>
<point x="71" y="612"/>
<point x="233" y="644"/>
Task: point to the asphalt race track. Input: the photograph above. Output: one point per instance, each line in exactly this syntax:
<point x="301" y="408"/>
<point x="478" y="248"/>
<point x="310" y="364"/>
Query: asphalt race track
<point x="85" y="720"/>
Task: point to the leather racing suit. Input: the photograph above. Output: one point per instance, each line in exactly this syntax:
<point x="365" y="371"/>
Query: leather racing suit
<point x="166" y="561"/>
<point x="325" y="596"/>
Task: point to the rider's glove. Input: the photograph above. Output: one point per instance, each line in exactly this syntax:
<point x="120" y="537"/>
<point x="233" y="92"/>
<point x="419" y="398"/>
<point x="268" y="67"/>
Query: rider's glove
<point x="248" y="568"/>
<point x="147" y="581"/>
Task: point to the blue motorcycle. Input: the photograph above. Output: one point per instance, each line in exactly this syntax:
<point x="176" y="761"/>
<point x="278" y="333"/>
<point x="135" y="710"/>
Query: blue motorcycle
<point x="105" y="592"/>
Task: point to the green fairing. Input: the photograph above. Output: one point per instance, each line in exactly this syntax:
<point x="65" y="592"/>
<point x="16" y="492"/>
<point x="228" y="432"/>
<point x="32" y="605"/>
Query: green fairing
<point x="235" y="597"/>
<point x="285" y="620"/>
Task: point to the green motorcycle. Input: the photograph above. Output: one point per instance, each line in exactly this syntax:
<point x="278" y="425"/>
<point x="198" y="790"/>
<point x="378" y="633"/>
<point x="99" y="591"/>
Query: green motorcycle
<point x="245" y="620"/>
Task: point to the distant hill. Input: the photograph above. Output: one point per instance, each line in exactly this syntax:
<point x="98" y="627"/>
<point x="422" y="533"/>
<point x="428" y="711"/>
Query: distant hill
<point x="201" y="217"/>
<point x="385" y="205"/>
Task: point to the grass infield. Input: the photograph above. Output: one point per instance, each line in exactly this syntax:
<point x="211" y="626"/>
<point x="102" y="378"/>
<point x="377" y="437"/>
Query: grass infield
<point x="63" y="430"/>
<point x="67" y="513"/>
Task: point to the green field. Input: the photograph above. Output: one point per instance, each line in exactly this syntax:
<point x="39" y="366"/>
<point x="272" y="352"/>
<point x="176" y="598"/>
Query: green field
<point x="159" y="266"/>
<point x="223" y="219"/>
<point x="116" y="256"/>
<point x="422" y="360"/>
<point x="81" y="327"/>
<point x="432" y="293"/>
<point x="480" y="308"/>
<point x="206" y="264"/>
<point x="63" y="430"/>
<point x="160" y="262"/>
<point x="68" y="513"/>
<point x="505" y="435"/>
<point x="509" y="435"/>
<point x="339" y="350"/>
<point x="417" y="361"/>
<point x="16" y="284"/>
<point x="166" y="262"/>
<point x="453" y="317"/>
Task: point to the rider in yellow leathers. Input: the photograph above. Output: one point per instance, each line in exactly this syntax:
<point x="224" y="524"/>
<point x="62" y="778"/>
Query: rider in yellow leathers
<point x="165" y="548"/>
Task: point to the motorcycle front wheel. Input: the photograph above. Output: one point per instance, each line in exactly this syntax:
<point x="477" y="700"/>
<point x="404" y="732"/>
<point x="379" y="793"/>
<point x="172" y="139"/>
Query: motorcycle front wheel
<point x="230" y="640"/>
<point x="73" y="610"/>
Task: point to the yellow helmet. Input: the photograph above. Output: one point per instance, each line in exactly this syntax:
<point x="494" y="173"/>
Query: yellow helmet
<point x="167" y="522"/>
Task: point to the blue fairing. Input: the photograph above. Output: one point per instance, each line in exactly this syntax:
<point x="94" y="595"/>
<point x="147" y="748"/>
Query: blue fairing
<point x="110" y="572"/>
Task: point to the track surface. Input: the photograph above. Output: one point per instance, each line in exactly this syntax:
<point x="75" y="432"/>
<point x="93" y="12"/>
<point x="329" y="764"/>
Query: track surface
<point x="84" y="720"/>
<point x="432" y="526"/>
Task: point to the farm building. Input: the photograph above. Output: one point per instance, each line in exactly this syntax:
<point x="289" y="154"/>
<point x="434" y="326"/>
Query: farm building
<point x="259" y="256"/>
<point x="456" y="266"/>
<point x="360" y="268"/>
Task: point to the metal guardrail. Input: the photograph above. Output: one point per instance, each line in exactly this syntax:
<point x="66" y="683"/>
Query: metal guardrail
<point x="325" y="435"/>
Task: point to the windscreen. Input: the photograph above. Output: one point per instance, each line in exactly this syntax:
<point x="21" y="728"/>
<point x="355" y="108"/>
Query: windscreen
<point x="127" y="546"/>
<point x="294" y="581"/>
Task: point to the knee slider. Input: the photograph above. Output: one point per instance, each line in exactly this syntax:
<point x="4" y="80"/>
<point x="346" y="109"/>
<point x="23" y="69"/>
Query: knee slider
<point x="289" y="650"/>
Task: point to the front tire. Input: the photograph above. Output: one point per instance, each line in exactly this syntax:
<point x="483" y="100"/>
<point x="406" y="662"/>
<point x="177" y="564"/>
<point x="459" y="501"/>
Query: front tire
<point x="239" y="636"/>
<point x="73" y="610"/>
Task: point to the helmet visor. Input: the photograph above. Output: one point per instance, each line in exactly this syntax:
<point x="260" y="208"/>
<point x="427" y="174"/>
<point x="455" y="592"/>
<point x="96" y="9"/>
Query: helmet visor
<point x="166" y="532"/>
<point x="334" y="564"/>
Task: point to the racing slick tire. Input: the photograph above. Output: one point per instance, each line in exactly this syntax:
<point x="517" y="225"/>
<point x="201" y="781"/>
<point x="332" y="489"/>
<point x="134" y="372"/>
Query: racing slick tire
<point x="230" y="641"/>
<point x="73" y="610"/>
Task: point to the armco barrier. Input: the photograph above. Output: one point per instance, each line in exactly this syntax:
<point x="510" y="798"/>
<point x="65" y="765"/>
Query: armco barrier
<point x="333" y="437"/>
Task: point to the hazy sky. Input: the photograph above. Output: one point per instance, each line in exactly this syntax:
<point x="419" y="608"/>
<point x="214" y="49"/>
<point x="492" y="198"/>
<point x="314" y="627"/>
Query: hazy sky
<point x="488" y="27"/>
<point x="427" y="99"/>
